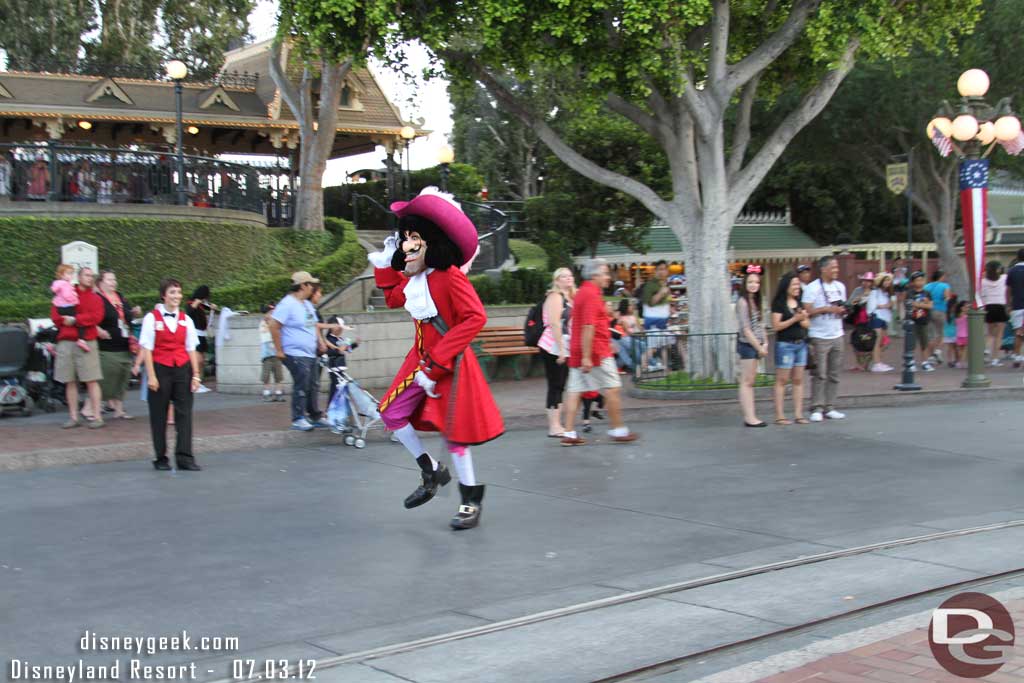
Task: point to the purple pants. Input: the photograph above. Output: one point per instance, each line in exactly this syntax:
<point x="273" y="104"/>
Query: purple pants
<point x="398" y="412"/>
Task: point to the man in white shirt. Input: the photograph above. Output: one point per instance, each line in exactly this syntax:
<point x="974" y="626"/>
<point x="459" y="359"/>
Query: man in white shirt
<point x="825" y="302"/>
<point x="173" y="373"/>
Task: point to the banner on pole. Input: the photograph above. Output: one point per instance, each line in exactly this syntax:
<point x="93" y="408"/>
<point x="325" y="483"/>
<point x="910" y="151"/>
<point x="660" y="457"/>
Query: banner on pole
<point x="974" y="214"/>
<point x="896" y="177"/>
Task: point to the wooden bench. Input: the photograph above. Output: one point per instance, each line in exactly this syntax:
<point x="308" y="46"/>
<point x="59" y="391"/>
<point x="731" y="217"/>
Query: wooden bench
<point x="494" y="344"/>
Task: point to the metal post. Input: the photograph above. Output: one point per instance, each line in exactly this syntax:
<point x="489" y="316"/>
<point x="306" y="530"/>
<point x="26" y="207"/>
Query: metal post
<point x="177" y="144"/>
<point x="56" y="186"/>
<point x="907" y="382"/>
<point x="444" y="177"/>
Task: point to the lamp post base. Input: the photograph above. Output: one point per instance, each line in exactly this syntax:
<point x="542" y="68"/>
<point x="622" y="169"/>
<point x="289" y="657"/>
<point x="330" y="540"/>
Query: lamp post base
<point x="976" y="378"/>
<point x="908" y="383"/>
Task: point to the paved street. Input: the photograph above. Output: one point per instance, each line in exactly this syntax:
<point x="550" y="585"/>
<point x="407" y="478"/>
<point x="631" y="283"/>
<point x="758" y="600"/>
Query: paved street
<point x="308" y="551"/>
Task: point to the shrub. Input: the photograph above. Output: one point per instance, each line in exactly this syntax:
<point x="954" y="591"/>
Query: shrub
<point x="241" y="275"/>
<point x="513" y="287"/>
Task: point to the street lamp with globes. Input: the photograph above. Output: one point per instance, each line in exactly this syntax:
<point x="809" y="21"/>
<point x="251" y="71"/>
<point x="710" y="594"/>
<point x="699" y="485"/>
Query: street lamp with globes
<point x="445" y="156"/>
<point x="407" y="133"/>
<point x="976" y="127"/>
<point x="177" y="71"/>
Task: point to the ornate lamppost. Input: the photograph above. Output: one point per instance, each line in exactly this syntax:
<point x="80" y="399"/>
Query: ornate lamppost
<point x="407" y="133"/>
<point x="977" y="126"/>
<point x="445" y="156"/>
<point x="177" y="71"/>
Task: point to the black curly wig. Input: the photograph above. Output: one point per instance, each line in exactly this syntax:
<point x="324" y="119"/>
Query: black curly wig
<point x="442" y="253"/>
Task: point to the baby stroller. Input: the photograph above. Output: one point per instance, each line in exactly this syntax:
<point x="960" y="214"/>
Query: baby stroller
<point x="44" y="390"/>
<point x="14" y="352"/>
<point x="353" y="411"/>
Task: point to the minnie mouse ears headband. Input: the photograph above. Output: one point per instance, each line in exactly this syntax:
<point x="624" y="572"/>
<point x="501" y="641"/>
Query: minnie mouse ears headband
<point x="752" y="269"/>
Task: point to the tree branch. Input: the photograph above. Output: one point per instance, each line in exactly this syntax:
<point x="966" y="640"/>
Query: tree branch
<point x="751" y="176"/>
<point x="289" y="93"/>
<point x="741" y="132"/>
<point x="576" y="161"/>
<point x="332" y="76"/>
<point x="719" y="43"/>
<point x="768" y="51"/>
<point x="657" y="129"/>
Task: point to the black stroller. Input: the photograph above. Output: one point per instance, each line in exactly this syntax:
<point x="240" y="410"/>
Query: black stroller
<point x="15" y="348"/>
<point x="44" y="390"/>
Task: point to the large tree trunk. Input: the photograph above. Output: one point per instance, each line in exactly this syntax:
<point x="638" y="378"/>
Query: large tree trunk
<point x="936" y="196"/>
<point x="316" y="130"/>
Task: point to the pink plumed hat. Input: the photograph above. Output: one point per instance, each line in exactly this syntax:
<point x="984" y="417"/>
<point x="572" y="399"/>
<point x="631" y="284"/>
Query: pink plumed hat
<point x="441" y="209"/>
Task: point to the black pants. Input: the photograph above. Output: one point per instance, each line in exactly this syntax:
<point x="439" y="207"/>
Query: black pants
<point x="333" y="362"/>
<point x="176" y="388"/>
<point x="556" y="375"/>
<point x="589" y="402"/>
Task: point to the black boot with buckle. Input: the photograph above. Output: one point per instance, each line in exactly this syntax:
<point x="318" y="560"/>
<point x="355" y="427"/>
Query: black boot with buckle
<point x="468" y="515"/>
<point x="432" y="481"/>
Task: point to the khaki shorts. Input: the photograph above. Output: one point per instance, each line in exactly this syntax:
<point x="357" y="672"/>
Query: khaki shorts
<point x="603" y="376"/>
<point x="75" y="365"/>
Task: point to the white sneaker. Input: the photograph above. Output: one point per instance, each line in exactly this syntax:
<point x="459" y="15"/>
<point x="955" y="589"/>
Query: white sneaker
<point x="927" y="367"/>
<point x="816" y="416"/>
<point x="938" y="354"/>
<point x="996" y="362"/>
<point x="835" y="415"/>
<point x="203" y="389"/>
<point x="881" y="367"/>
<point x="302" y="425"/>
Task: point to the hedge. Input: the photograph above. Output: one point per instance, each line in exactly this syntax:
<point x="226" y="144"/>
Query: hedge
<point x="236" y="269"/>
<point x="513" y="287"/>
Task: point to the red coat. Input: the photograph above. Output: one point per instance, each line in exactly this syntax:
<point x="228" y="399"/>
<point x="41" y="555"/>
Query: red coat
<point x="89" y="313"/>
<point x="466" y="412"/>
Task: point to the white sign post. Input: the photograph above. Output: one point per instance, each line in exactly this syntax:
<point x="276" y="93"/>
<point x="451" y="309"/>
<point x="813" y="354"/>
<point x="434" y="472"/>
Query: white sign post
<point x="80" y="254"/>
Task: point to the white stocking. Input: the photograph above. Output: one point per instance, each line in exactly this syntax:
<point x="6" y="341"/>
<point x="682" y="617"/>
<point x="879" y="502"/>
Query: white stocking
<point x="411" y="440"/>
<point x="463" y="461"/>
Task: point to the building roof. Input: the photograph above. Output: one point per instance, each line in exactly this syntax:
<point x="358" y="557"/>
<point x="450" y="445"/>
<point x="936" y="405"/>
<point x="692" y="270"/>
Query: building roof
<point x="241" y="111"/>
<point x="747" y="236"/>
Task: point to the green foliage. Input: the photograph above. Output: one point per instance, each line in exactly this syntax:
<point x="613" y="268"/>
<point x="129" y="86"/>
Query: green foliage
<point x="118" y="35"/>
<point x="513" y="287"/>
<point x="528" y="255"/>
<point x="463" y="181"/>
<point x="334" y="30"/>
<point x="244" y="266"/>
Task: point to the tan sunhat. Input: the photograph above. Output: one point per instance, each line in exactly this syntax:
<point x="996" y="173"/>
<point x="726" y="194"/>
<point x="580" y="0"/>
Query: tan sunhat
<point x="302" y="277"/>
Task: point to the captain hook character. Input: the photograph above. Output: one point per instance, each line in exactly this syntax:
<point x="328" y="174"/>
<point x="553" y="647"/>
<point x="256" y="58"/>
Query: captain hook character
<point x="440" y="387"/>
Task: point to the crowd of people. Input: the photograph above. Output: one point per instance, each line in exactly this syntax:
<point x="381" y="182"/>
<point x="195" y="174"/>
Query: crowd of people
<point x="814" y="324"/>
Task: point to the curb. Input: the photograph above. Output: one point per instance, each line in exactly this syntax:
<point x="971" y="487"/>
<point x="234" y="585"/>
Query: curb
<point x="140" y="450"/>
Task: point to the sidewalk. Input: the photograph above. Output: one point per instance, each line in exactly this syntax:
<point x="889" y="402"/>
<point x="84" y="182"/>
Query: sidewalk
<point x="225" y="422"/>
<point x="901" y="658"/>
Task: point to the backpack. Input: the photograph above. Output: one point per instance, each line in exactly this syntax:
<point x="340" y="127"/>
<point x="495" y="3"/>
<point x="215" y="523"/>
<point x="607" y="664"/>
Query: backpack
<point x="863" y="338"/>
<point x="533" y="328"/>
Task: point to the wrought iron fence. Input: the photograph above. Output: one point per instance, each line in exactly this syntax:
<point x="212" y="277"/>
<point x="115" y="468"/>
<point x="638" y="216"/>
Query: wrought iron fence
<point x="105" y="175"/>
<point x="675" y="359"/>
<point x="491" y="224"/>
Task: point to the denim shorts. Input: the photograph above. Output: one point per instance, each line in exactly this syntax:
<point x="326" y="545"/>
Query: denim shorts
<point x="746" y="351"/>
<point x="877" y="323"/>
<point x="790" y="354"/>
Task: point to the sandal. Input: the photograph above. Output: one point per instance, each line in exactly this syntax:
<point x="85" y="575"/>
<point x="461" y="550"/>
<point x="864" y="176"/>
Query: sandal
<point x="783" y="421"/>
<point x="802" y="421"/>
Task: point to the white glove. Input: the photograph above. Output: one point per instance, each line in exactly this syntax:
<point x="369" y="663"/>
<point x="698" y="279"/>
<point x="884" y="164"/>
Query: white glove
<point x="382" y="259"/>
<point x="427" y="384"/>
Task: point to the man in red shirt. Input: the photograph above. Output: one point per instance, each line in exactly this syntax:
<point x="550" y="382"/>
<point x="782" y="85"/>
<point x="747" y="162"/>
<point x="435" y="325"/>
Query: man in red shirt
<point x="74" y="364"/>
<point x="591" y="360"/>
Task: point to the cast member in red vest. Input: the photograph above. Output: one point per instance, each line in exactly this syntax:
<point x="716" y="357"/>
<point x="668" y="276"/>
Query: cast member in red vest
<point x="440" y="387"/>
<point x="173" y="368"/>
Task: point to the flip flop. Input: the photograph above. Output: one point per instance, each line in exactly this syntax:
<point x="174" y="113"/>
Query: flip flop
<point x="802" y="421"/>
<point x="783" y="421"/>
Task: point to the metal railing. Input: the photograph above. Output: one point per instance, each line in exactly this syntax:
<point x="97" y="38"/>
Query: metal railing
<point x="106" y="175"/>
<point x="675" y="359"/>
<point x="492" y="227"/>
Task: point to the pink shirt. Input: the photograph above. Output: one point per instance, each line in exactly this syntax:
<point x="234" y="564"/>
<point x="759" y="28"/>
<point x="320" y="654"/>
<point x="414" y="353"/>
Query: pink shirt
<point x="64" y="294"/>
<point x="961" y="327"/>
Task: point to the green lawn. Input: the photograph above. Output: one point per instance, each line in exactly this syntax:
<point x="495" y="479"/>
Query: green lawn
<point x="528" y="254"/>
